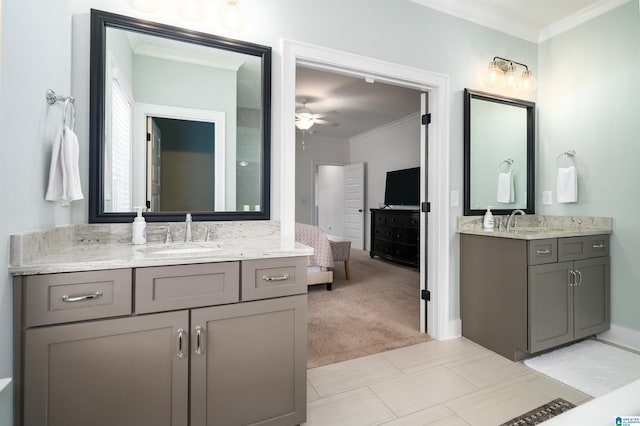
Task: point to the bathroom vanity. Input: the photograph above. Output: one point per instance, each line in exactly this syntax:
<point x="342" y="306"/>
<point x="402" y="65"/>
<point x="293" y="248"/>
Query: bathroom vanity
<point x="536" y="288"/>
<point x="182" y="334"/>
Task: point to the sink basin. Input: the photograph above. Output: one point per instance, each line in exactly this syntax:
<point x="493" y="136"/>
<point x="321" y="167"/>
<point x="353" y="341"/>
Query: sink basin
<point x="186" y="250"/>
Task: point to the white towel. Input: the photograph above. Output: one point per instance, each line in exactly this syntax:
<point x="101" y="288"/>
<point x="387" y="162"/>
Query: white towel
<point x="64" y="174"/>
<point x="567" y="190"/>
<point x="506" y="189"/>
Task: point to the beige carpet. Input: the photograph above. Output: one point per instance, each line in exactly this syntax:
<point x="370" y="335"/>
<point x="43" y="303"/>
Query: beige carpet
<point x="376" y="310"/>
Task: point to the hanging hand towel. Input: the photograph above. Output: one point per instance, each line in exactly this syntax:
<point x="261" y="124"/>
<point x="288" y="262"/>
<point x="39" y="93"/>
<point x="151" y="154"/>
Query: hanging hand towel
<point x="506" y="189"/>
<point x="64" y="174"/>
<point x="567" y="190"/>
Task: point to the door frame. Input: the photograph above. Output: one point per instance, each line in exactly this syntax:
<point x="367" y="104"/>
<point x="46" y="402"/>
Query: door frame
<point x="314" y="178"/>
<point x="437" y="280"/>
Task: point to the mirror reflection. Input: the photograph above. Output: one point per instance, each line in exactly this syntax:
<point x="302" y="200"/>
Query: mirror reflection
<point x="184" y="126"/>
<point x="499" y="154"/>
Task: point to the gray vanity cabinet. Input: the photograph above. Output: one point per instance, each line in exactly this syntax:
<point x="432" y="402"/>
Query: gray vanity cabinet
<point x="167" y="345"/>
<point x="567" y="301"/>
<point x="522" y="296"/>
<point x="109" y="372"/>
<point x="248" y="363"/>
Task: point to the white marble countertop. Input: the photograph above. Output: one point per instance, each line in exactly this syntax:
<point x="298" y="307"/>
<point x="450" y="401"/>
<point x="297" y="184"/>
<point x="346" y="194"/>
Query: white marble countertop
<point x="536" y="227"/>
<point x="55" y="250"/>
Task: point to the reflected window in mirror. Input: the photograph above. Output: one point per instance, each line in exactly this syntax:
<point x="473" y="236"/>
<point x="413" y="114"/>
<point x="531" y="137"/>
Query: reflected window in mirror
<point x="499" y="154"/>
<point x="180" y="122"/>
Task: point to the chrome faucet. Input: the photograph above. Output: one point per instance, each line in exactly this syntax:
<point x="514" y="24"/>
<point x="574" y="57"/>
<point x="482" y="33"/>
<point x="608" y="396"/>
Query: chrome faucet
<point x="188" y="236"/>
<point x="513" y="220"/>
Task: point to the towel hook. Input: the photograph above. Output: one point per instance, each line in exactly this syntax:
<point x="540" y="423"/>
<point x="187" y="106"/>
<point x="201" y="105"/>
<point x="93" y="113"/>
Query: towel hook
<point x="509" y="163"/>
<point x="69" y="112"/>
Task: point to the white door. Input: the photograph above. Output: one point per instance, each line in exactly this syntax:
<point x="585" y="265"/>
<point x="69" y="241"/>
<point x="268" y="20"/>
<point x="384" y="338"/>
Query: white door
<point x="354" y="205"/>
<point x="154" y="156"/>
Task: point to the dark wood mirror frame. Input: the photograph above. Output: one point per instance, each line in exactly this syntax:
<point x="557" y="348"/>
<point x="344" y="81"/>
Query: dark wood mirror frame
<point x="100" y="21"/>
<point x="530" y="184"/>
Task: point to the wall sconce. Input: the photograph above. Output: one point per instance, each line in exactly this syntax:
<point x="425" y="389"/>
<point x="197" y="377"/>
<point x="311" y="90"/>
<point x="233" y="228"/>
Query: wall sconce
<point x="504" y="72"/>
<point x="148" y="6"/>
<point x="232" y="16"/>
<point x="191" y="10"/>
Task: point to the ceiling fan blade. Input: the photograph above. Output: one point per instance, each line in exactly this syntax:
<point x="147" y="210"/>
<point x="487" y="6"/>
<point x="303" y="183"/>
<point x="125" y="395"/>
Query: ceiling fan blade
<point x="327" y="123"/>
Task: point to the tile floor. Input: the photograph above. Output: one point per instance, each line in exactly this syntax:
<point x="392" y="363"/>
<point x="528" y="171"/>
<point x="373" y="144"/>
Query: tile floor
<point x="453" y="382"/>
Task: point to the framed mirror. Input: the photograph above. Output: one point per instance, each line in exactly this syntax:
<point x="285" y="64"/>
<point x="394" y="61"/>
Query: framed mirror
<point x="179" y="123"/>
<point x="499" y="154"/>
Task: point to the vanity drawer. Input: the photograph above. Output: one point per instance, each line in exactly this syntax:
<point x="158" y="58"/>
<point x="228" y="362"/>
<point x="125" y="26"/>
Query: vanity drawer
<point x="543" y="251"/>
<point x="165" y="288"/>
<point x="576" y="248"/>
<point x="267" y="278"/>
<point x="76" y="296"/>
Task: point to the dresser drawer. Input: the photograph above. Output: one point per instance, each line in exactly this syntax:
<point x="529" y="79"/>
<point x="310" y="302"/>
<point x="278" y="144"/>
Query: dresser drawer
<point x="411" y="220"/>
<point x="543" y="251"/>
<point x="76" y="296"/>
<point x="267" y="278"/>
<point x="165" y="288"/>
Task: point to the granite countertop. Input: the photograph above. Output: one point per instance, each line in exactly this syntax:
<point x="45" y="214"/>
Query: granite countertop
<point x="77" y="248"/>
<point x="536" y="227"/>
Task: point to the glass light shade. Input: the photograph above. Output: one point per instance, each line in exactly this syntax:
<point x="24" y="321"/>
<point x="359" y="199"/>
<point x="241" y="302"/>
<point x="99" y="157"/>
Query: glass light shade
<point x="191" y="10"/>
<point x="494" y="75"/>
<point x="512" y="80"/>
<point x="529" y="84"/>
<point x="232" y="15"/>
<point x="304" y="122"/>
<point x="148" y="6"/>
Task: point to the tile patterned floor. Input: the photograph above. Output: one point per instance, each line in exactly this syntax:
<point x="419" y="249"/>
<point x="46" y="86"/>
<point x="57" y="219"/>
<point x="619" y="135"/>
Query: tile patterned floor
<point x="453" y="382"/>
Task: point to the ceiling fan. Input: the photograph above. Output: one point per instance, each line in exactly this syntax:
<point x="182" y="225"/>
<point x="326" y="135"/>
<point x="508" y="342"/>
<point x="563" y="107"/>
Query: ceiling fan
<point x="305" y="118"/>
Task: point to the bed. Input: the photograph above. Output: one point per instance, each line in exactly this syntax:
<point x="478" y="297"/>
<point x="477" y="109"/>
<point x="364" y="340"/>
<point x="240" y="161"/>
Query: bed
<point x="320" y="264"/>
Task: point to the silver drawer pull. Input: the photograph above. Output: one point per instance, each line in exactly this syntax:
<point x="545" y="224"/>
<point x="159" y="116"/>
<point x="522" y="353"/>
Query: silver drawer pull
<point x="278" y="278"/>
<point x="95" y="295"/>
<point x="547" y="251"/>
<point x="180" y="343"/>
<point x="199" y="350"/>
<point x="598" y="245"/>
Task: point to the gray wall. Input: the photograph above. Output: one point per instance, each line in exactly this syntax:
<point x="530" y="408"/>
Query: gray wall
<point x="601" y="119"/>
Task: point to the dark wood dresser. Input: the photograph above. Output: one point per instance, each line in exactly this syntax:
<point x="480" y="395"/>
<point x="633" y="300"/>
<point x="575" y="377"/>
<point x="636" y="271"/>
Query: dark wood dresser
<point x="395" y="235"/>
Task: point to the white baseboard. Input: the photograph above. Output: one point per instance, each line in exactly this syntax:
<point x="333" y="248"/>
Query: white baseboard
<point x="454" y="329"/>
<point x="623" y="336"/>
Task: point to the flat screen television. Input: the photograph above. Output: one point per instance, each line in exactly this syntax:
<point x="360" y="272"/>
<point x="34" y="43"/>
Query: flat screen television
<point x="402" y="187"/>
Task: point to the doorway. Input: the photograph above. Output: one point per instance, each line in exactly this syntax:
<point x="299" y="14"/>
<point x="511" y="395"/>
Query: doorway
<point x="436" y="267"/>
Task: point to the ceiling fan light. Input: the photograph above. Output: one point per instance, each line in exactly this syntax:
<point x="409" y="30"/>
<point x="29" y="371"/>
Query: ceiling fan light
<point x="304" y="122"/>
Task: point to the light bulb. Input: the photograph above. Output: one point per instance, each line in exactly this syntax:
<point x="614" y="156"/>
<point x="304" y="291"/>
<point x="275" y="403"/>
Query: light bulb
<point x="512" y="79"/>
<point x="232" y="15"/>
<point x="191" y="10"/>
<point x="529" y="84"/>
<point x="494" y="75"/>
<point x="304" y="121"/>
<point x="148" y="6"/>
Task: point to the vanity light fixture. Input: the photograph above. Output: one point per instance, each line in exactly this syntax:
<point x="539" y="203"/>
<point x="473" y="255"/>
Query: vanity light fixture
<point x="232" y="15"/>
<point x="148" y="6"/>
<point x="192" y="10"/>
<point x="504" y="72"/>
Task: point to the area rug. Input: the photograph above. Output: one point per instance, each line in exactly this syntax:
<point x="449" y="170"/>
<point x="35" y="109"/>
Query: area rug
<point x="377" y="310"/>
<point x="540" y="414"/>
<point x="591" y="366"/>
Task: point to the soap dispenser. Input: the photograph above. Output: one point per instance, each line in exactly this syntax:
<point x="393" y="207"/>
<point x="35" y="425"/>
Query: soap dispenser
<point x="488" y="222"/>
<point x="139" y="228"/>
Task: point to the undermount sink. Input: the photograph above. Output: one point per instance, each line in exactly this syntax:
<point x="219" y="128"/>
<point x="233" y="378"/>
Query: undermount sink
<point x="186" y="250"/>
<point x="180" y="248"/>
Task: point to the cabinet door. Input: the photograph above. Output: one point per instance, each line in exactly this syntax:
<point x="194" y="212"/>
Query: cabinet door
<point x="248" y="363"/>
<point x="591" y="297"/>
<point x="550" y="305"/>
<point x="109" y="372"/>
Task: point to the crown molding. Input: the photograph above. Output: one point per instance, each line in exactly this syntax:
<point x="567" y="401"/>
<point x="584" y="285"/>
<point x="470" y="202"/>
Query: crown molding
<point x="578" y="18"/>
